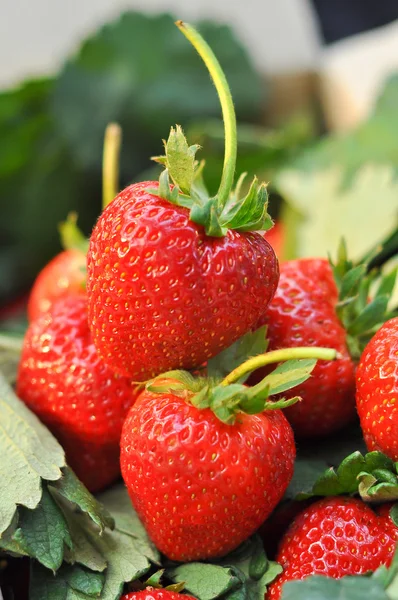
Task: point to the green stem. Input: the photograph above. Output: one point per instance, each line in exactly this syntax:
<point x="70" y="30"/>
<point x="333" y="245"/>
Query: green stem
<point x="110" y="163"/>
<point x="278" y="356"/>
<point x="9" y="342"/>
<point x="227" y="107"/>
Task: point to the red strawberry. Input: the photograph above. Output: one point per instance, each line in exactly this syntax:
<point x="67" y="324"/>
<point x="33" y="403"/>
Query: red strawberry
<point x="163" y="294"/>
<point x="62" y="379"/>
<point x="200" y="486"/>
<point x="334" y="537"/>
<point x="377" y="390"/>
<point x="303" y="312"/>
<point x="64" y="275"/>
<point x="277" y="238"/>
<point x="176" y="275"/>
<point x="151" y="593"/>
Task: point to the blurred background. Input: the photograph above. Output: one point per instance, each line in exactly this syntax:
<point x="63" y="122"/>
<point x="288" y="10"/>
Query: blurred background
<point x="315" y="85"/>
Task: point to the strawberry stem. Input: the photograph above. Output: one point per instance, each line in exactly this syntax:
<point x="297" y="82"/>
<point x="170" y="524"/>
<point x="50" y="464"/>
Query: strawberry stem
<point x="110" y="163"/>
<point x="278" y="356"/>
<point x="227" y="107"/>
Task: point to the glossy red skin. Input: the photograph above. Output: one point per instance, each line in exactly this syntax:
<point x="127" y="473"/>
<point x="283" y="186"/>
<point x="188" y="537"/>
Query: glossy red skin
<point x="377" y="390"/>
<point x="62" y="379"/>
<point x="162" y="294"/>
<point x="151" y="593"/>
<point x="199" y="486"/>
<point x="276" y="237"/>
<point x="302" y="313"/>
<point x="335" y="536"/>
<point x="64" y="275"/>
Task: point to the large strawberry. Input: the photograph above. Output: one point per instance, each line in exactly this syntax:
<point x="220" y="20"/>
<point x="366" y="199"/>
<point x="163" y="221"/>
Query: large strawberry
<point x="320" y="305"/>
<point x="205" y="462"/>
<point x="175" y="276"/>
<point x="63" y="380"/>
<point x="335" y="536"/>
<point x="377" y="390"/>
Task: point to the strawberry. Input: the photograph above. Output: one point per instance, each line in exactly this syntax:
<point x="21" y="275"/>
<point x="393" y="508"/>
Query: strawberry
<point x="377" y="390"/>
<point x="62" y="379"/>
<point x="64" y="275"/>
<point x="205" y="462"/>
<point x="335" y="536"/>
<point x="174" y="275"/>
<point x="151" y="593"/>
<point x="317" y="304"/>
<point x="277" y="238"/>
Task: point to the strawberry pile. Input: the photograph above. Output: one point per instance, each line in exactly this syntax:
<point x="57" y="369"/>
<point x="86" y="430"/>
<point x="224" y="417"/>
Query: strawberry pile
<point x="141" y="366"/>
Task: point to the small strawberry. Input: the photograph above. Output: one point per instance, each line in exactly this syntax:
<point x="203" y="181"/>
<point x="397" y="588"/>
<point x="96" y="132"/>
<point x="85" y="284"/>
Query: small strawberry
<point x="335" y="536"/>
<point x="377" y="390"/>
<point x="62" y="379"/>
<point x="151" y="593"/>
<point x="317" y="304"/>
<point x="64" y="275"/>
<point x="205" y="462"/>
<point x="176" y="276"/>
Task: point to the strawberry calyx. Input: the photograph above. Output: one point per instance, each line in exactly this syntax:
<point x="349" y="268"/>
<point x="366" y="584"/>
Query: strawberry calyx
<point x="373" y="476"/>
<point x="363" y="300"/>
<point x="72" y="238"/>
<point x="229" y="396"/>
<point x="227" y="209"/>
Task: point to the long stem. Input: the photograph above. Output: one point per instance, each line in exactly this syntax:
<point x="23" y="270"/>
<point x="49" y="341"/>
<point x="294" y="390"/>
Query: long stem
<point x="227" y="107"/>
<point x="277" y="356"/>
<point x="110" y="163"/>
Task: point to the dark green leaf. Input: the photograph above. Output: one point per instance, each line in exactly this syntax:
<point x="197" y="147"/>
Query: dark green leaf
<point x="204" y="581"/>
<point x="71" y="488"/>
<point x="44" y="532"/>
<point x="29" y="453"/>
<point x="71" y="236"/>
<point x="249" y="345"/>
<point x="180" y="159"/>
<point x="351" y="280"/>
<point x="394" y="514"/>
<point x="70" y="583"/>
<point x="289" y="374"/>
<point x="83" y="551"/>
<point x="371" y="315"/>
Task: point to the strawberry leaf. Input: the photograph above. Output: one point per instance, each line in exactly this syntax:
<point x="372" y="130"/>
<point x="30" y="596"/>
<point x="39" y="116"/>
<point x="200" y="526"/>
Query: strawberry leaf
<point x="71" y="583"/>
<point x="180" y="159"/>
<point x="204" y="581"/>
<point x="29" y="453"/>
<point x="318" y="587"/>
<point x="83" y="552"/>
<point x="288" y="375"/>
<point x="251" y="344"/>
<point x="71" y="236"/>
<point x="373" y="476"/>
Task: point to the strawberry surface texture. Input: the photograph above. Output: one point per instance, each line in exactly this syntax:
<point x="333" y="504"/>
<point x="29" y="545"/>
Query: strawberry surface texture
<point x="200" y="486"/>
<point x="377" y="390"/>
<point x="164" y="295"/>
<point x="64" y="275"/>
<point x="302" y="313"/>
<point x="62" y="379"/>
<point x="336" y="536"/>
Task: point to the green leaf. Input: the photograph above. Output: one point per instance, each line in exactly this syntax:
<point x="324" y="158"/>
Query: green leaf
<point x="350" y="280"/>
<point x="29" y="453"/>
<point x="394" y="514"/>
<point x="318" y="587"/>
<point x="117" y="501"/>
<point x="72" y="489"/>
<point x="289" y="374"/>
<point x="44" y="532"/>
<point x="251" y="344"/>
<point x="71" y="236"/>
<point x="172" y="381"/>
<point x="204" y="581"/>
<point x="70" y="583"/>
<point x="249" y="213"/>
<point x="371" y="316"/>
<point x="83" y="551"/>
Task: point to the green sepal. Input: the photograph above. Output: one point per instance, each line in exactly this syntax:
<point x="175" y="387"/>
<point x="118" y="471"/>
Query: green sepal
<point x="249" y="213"/>
<point x="372" y="476"/>
<point x="364" y="296"/>
<point x="241" y="214"/>
<point x="394" y="514"/>
<point x="172" y="381"/>
<point x="72" y="238"/>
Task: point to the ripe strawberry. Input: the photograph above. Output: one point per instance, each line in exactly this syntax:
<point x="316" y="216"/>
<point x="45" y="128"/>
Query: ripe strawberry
<point x="335" y="536"/>
<point x="303" y="312"/>
<point x="377" y="390"/>
<point x="62" y="379"/>
<point x="64" y="275"/>
<point x="163" y="294"/>
<point x="201" y="486"/>
<point x="151" y="593"/>
<point x="317" y="305"/>
<point x="174" y="275"/>
<point x="277" y="238"/>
